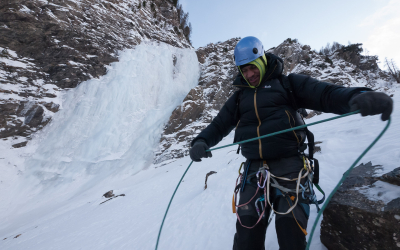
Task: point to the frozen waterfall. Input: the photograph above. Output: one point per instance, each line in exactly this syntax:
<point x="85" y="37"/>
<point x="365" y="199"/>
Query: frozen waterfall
<point x="112" y="124"/>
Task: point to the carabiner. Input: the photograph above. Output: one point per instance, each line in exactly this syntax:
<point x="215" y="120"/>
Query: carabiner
<point x="258" y="178"/>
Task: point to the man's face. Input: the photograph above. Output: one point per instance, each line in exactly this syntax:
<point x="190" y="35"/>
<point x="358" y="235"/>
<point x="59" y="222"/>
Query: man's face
<point x="252" y="74"/>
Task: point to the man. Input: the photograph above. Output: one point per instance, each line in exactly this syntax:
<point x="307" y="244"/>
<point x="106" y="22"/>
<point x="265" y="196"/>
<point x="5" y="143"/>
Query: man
<point x="262" y="106"/>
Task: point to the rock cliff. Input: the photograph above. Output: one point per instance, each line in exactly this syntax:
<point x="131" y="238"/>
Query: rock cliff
<point x="340" y="67"/>
<point x="49" y="46"/>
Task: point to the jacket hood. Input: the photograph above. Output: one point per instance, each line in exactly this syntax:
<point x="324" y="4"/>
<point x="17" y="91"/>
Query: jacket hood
<point x="274" y="70"/>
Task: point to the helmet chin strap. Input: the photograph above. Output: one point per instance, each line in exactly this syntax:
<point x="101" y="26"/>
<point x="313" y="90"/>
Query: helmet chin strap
<point x="261" y="64"/>
<point x="251" y="86"/>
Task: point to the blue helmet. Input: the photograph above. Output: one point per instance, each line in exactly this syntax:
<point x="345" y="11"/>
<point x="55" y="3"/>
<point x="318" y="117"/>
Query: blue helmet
<point x="247" y="50"/>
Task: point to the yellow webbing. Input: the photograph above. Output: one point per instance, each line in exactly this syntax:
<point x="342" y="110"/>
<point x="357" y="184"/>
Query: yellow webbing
<point x="233" y="198"/>
<point x="302" y="229"/>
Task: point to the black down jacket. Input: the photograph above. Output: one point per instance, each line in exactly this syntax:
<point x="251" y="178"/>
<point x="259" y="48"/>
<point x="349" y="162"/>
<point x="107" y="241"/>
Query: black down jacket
<point x="268" y="108"/>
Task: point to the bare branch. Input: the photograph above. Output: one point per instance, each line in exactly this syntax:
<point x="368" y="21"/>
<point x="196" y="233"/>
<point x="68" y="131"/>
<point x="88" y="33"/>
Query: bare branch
<point x="393" y="69"/>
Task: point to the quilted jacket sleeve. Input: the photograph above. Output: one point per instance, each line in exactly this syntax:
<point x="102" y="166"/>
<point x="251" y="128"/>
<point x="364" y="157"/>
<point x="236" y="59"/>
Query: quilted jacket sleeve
<point x="322" y="96"/>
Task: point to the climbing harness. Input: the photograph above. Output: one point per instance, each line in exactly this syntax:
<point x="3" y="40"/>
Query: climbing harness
<point x="264" y="178"/>
<point x="297" y="191"/>
<point x="280" y="132"/>
<point x="261" y="185"/>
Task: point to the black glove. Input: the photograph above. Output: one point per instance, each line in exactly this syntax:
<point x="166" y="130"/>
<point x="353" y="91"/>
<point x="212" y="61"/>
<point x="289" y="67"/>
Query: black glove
<point x="372" y="103"/>
<point x="198" y="150"/>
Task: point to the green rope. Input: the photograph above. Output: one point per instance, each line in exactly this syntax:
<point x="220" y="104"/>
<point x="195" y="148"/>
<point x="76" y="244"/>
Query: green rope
<point x="288" y="130"/>
<point x="159" y="233"/>
<point x="265" y="136"/>
<point x="341" y="181"/>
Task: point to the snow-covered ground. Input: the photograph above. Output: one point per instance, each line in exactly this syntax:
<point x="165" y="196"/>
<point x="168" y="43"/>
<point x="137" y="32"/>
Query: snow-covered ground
<point x="103" y="139"/>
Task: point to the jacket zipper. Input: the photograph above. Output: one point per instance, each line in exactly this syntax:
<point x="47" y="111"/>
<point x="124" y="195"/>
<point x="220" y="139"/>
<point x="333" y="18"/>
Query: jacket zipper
<point x="237" y="125"/>
<point x="259" y="124"/>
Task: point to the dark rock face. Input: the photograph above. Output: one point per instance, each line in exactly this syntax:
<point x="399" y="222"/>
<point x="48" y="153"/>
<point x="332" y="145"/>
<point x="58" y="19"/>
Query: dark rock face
<point x="109" y="194"/>
<point x="32" y="117"/>
<point x="293" y="54"/>
<point x="353" y="221"/>
<point x="47" y="46"/>
<point x="392" y="177"/>
<point x="350" y="56"/>
<point x="21" y="144"/>
<point x="63" y="36"/>
<point x="362" y="62"/>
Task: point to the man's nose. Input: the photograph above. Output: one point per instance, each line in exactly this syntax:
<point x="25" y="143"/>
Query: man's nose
<point x="250" y="73"/>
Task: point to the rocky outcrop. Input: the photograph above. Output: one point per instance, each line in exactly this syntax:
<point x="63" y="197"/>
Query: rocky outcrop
<point x="364" y="213"/>
<point x="48" y="46"/>
<point x="202" y="103"/>
<point x="22" y="118"/>
<point x="392" y="177"/>
<point x="293" y="54"/>
<point x="346" y="68"/>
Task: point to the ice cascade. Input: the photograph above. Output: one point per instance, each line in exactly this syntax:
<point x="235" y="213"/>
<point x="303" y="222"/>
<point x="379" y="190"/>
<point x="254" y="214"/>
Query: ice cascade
<point x="112" y="124"/>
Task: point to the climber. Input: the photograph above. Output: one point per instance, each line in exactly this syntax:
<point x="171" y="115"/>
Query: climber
<point x="260" y="106"/>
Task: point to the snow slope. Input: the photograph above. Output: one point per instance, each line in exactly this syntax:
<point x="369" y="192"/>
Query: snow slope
<point x="53" y="202"/>
<point x="107" y="126"/>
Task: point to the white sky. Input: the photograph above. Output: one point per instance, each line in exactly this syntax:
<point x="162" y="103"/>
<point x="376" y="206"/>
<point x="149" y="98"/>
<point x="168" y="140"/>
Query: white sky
<point x="375" y="23"/>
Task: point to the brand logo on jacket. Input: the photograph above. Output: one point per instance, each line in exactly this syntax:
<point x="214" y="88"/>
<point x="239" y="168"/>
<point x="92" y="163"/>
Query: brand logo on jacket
<point x="267" y="87"/>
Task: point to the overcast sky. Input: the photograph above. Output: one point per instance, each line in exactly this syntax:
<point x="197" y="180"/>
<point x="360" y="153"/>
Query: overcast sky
<point x="375" y="23"/>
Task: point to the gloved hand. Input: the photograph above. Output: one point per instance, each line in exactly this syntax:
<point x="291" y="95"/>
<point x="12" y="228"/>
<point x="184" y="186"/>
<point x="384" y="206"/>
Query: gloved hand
<point x="372" y="103"/>
<point x="198" y="150"/>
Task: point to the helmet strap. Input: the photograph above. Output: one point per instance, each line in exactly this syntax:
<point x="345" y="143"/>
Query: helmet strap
<point x="261" y="64"/>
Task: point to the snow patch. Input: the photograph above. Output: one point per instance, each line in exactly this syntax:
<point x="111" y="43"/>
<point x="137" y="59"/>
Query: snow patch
<point x="25" y="9"/>
<point x="14" y="63"/>
<point x="23" y="79"/>
<point x="381" y="191"/>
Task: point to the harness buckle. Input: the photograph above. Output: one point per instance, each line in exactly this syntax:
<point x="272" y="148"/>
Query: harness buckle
<point x="302" y="147"/>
